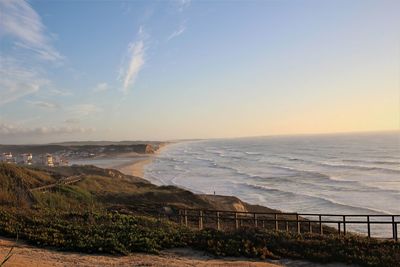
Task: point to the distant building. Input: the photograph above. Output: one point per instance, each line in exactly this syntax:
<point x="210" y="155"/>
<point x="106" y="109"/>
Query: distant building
<point x="63" y="162"/>
<point x="8" y="157"/>
<point x="48" y="160"/>
<point x="27" y="159"/>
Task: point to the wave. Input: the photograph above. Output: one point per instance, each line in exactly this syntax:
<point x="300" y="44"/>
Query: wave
<point x="395" y="163"/>
<point x="325" y="168"/>
<point x="290" y="194"/>
<point x="292" y="174"/>
<point x="345" y="166"/>
<point x="254" y="153"/>
<point x="362" y="168"/>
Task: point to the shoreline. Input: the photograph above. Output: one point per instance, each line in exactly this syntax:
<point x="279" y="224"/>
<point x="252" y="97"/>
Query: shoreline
<point x="136" y="167"/>
<point x="138" y="163"/>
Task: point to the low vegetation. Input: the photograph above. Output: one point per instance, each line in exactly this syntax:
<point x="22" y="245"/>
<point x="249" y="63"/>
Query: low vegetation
<point x="114" y="233"/>
<point x="92" y="232"/>
<point x="87" y="217"/>
<point x="260" y="243"/>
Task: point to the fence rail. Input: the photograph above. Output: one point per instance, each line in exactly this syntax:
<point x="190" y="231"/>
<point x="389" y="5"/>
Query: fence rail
<point x="66" y="181"/>
<point x="289" y="222"/>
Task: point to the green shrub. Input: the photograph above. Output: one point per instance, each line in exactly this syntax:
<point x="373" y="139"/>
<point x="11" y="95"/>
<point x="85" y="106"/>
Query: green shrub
<point x="93" y="232"/>
<point x="252" y="242"/>
<point x="114" y="233"/>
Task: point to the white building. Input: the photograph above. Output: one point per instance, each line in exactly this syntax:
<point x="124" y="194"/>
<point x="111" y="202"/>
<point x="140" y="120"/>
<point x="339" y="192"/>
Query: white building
<point x="27" y="158"/>
<point x="48" y="160"/>
<point x="7" y="157"/>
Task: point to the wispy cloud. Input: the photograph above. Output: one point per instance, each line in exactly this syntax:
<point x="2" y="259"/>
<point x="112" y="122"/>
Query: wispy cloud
<point x="23" y="74"/>
<point x="176" y="33"/>
<point x="135" y="61"/>
<point x="59" y="92"/>
<point x="7" y="130"/>
<point x="81" y="110"/>
<point x="72" y="121"/>
<point x="182" y="4"/>
<point x="18" y="80"/>
<point x="20" y="21"/>
<point x="101" y="87"/>
<point x="44" y="104"/>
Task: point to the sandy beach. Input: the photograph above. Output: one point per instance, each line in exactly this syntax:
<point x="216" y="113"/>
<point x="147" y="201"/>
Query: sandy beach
<point x="136" y="167"/>
<point x="137" y="162"/>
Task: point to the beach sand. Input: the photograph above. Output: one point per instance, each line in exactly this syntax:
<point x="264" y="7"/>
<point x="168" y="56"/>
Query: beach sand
<point x="136" y="167"/>
<point x="137" y="163"/>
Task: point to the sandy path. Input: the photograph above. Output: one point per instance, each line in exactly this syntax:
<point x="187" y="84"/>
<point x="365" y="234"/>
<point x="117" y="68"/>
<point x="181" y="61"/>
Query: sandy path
<point x="25" y="255"/>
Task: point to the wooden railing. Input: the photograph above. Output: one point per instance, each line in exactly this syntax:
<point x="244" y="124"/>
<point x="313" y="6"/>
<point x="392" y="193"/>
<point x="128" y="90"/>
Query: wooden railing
<point x="65" y="181"/>
<point x="289" y="222"/>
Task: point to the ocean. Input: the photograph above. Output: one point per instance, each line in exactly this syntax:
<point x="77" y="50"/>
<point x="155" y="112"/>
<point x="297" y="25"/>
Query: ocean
<point x="335" y="174"/>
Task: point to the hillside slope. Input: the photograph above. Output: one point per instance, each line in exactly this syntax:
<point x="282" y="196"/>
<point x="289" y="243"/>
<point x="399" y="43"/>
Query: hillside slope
<point x="102" y="188"/>
<point x="15" y="182"/>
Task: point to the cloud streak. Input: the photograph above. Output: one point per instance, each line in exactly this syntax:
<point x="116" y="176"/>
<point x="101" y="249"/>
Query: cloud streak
<point x="46" y="105"/>
<point x="72" y="121"/>
<point x="7" y="130"/>
<point x="82" y="110"/>
<point x="20" y="21"/>
<point x="135" y="61"/>
<point x="101" y="87"/>
<point x="17" y="80"/>
<point x="23" y="31"/>
<point x="177" y="33"/>
<point x="182" y="4"/>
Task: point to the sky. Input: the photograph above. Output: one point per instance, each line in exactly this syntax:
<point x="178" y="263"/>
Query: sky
<point x="165" y="70"/>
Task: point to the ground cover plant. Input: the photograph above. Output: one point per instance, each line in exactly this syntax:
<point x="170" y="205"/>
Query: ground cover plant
<point x="114" y="233"/>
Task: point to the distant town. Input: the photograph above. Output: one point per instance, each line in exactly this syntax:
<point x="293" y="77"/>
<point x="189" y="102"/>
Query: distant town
<point x="28" y="159"/>
<point x="59" y="155"/>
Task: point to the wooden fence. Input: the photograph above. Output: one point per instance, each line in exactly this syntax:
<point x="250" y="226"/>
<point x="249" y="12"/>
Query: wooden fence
<point x="65" y="181"/>
<point x="289" y="222"/>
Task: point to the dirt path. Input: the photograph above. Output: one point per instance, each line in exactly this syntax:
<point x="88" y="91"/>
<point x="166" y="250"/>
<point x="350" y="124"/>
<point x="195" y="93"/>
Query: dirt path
<point x="25" y="255"/>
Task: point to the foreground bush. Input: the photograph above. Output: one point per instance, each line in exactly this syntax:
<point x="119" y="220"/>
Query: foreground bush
<point x="104" y="232"/>
<point x="93" y="232"/>
<point x="266" y="244"/>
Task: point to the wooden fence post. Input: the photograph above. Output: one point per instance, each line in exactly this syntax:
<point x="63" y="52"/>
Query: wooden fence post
<point x="186" y="217"/>
<point x="338" y="228"/>
<point x="394" y="226"/>
<point x="218" y="224"/>
<point x="344" y="225"/>
<point x="255" y="220"/>
<point x="276" y="222"/>
<point x="287" y="227"/>
<point x="298" y="224"/>
<point x="369" y="227"/>
<point x="309" y="227"/>
<point x="320" y="225"/>
<point x="236" y="221"/>
<point x="200" y="219"/>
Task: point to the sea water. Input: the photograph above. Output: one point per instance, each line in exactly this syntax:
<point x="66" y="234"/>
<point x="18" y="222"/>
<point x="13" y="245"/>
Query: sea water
<point x="334" y="174"/>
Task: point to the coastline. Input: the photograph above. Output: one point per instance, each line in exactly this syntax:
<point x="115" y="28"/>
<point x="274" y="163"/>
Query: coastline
<point x="138" y="162"/>
<point x="136" y="167"/>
